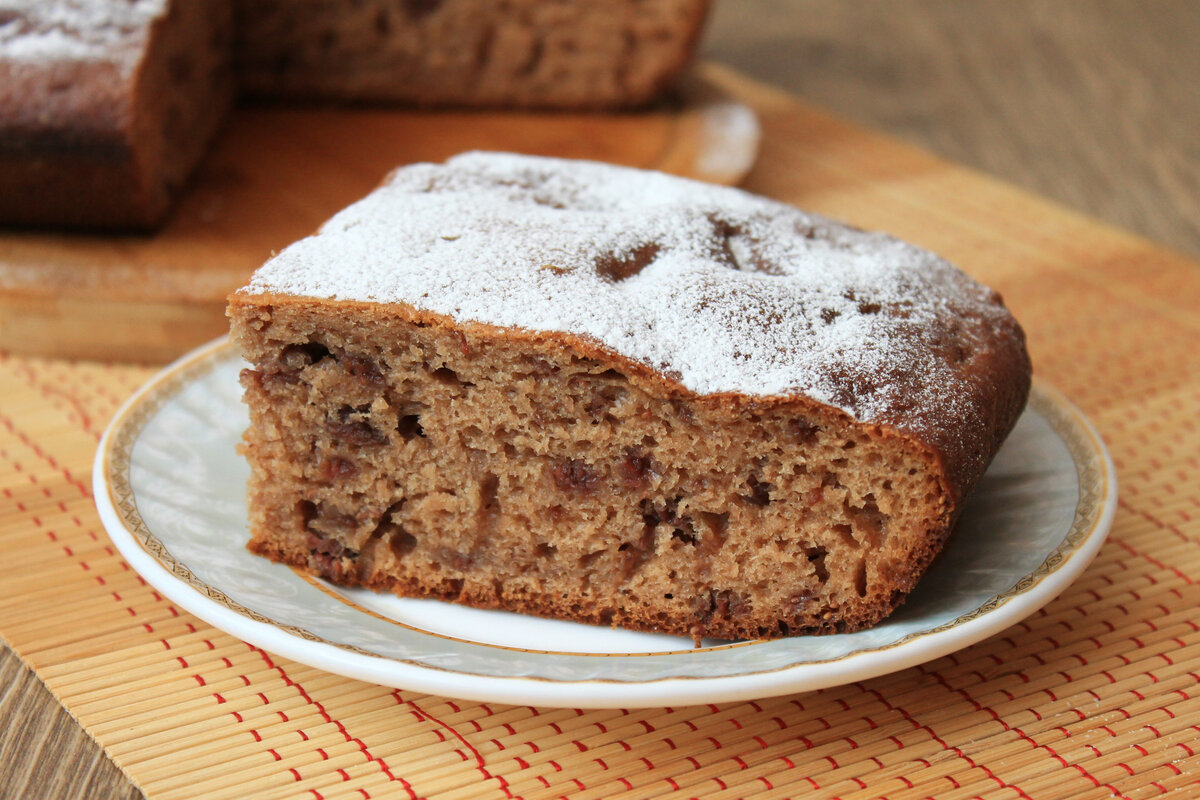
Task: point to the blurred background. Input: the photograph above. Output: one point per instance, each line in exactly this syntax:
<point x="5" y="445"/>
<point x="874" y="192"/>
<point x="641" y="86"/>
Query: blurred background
<point x="1093" y="103"/>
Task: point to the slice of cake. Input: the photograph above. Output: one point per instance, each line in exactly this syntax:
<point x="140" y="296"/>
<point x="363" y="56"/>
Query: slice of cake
<point x="106" y="106"/>
<point x="615" y="396"/>
<point x="525" y="53"/>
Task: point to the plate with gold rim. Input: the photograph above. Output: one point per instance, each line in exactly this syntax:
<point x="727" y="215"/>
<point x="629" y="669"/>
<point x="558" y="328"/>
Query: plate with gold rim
<point x="170" y="489"/>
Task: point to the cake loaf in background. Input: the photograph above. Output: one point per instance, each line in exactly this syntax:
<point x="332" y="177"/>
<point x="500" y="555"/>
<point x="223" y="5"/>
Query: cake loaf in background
<point x="587" y="54"/>
<point x="106" y="107"/>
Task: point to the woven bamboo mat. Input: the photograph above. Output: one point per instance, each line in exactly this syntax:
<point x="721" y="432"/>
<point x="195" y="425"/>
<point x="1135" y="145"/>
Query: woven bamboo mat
<point x="1097" y="695"/>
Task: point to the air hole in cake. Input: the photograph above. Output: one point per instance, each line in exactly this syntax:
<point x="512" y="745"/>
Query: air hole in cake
<point x="545" y="551"/>
<point x="330" y="522"/>
<point x="684" y="535"/>
<point x="860" y="579"/>
<point x="387" y="522"/>
<point x="722" y="604"/>
<point x="846" y="533"/>
<point x="850" y="445"/>
<point x="488" y="488"/>
<point x="299" y="356"/>
<point x="306" y="511"/>
<point x="717" y="524"/>
<point x="760" y="492"/>
<point x="816" y="557"/>
<point x="540" y="366"/>
<point x="575" y="476"/>
<point x="635" y="554"/>
<point x="868" y="521"/>
<point x="448" y="377"/>
<point x="618" y="268"/>
<point x="409" y="427"/>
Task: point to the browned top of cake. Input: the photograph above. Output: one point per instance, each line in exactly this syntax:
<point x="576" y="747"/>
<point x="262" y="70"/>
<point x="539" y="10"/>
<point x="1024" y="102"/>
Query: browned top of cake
<point x="716" y="290"/>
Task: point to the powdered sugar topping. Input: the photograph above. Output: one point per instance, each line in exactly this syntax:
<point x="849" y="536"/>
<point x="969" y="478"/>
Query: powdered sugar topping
<point x="37" y="31"/>
<point x="719" y="289"/>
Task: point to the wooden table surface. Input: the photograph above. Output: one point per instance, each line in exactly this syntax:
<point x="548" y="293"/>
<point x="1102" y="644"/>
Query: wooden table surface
<point x="1091" y="104"/>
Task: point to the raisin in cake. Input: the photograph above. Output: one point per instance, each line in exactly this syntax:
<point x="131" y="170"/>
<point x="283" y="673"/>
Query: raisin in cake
<point x="106" y="106"/>
<point x="525" y="53"/>
<point x="614" y="396"/>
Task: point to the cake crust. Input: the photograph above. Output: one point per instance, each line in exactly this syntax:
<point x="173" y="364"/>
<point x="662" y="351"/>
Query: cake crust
<point x="543" y="470"/>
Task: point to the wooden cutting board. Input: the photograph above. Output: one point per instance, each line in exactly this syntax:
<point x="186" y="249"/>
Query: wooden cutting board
<point x="274" y="175"/>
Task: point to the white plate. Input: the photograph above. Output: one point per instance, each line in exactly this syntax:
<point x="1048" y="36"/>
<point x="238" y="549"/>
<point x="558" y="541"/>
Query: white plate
<point x="170" y="490"/>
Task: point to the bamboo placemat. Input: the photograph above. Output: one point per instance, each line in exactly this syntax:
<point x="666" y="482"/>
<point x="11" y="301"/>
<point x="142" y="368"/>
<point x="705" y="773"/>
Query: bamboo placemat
<point x="1096" y="695"/>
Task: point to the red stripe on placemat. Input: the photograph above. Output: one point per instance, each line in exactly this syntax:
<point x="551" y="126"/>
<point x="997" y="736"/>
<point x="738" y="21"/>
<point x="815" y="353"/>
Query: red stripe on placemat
<point x="1020" y="733"/>
<point x="29" y="375"/>
<point x="84" y="421"/>
<point x="945" y="746"/>
<point x="333" y="720"/>
<point x="24" y="439"/>
<point x="117" y="598"/>
<point x="480" y="764"/>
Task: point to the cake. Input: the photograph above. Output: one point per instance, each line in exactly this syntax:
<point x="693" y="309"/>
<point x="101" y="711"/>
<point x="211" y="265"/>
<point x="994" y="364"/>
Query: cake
<point x="106" y="107"/>
<point x="587" y="54"/>
<point x="612" y="396"/>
